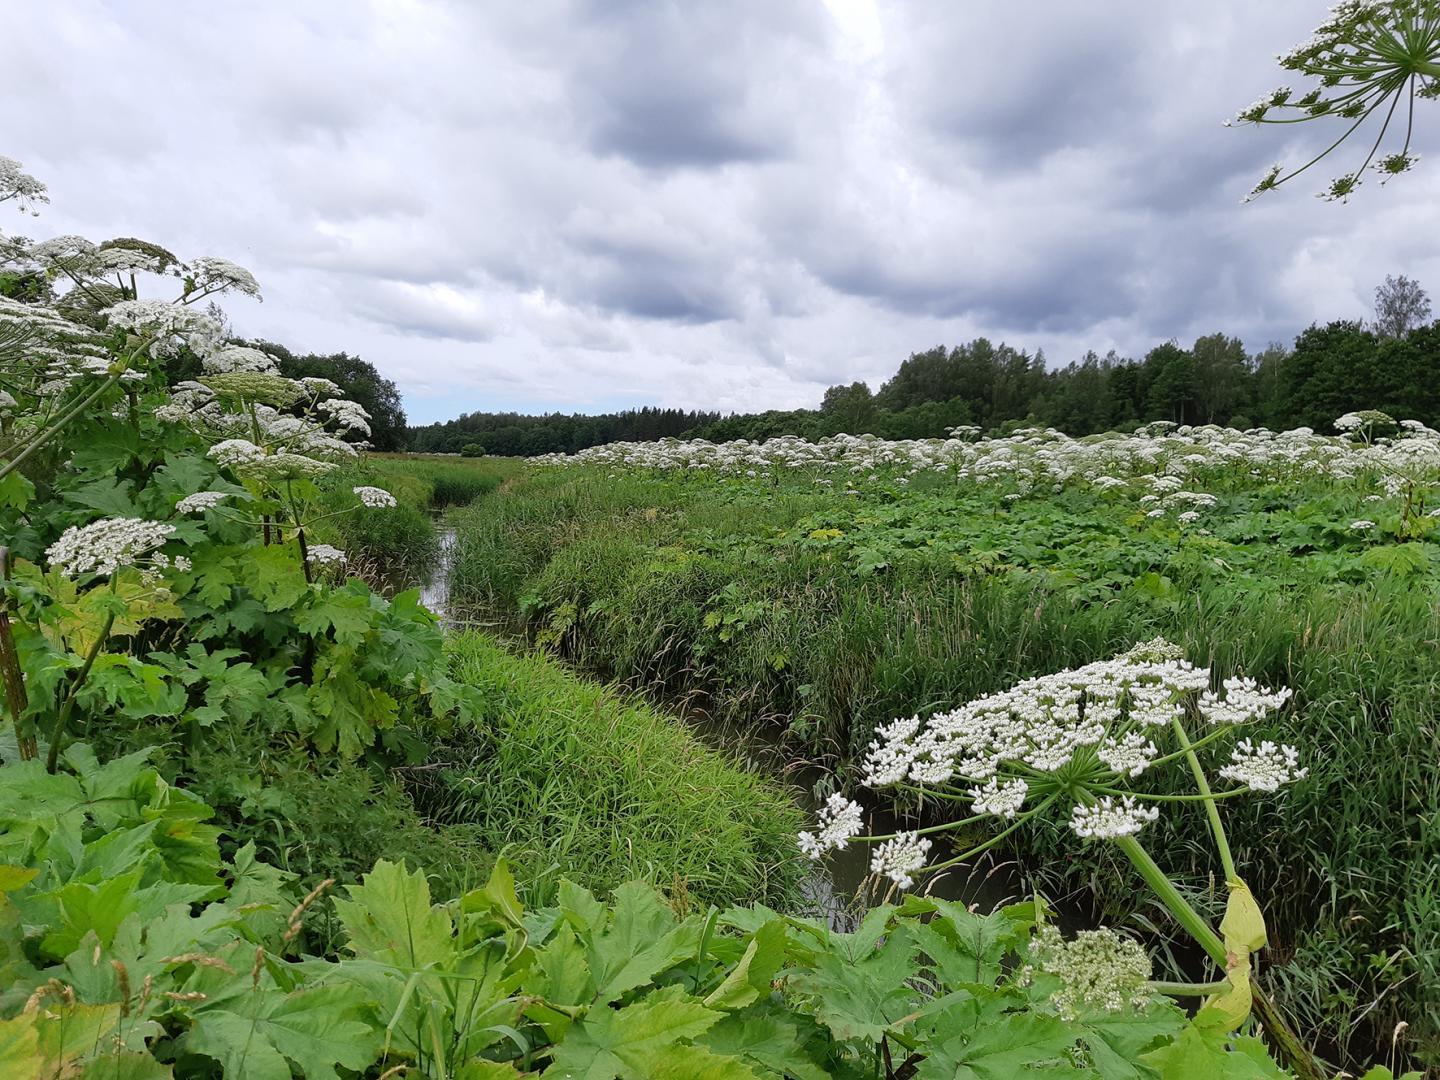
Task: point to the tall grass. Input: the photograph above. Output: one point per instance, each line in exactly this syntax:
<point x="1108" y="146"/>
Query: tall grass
<point x="450" y="481"/>
<point x="396" y="547"/>
<point x="570" y="779"/>
<point x="680" y="589"/>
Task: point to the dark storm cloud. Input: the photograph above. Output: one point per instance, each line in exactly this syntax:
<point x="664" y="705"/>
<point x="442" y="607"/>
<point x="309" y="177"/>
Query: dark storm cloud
<point x="723" y="205"/>
<point x="679" y="84"/>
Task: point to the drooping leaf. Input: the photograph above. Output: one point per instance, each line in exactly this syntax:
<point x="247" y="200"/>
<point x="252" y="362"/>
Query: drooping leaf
<point x="751" y="977"/>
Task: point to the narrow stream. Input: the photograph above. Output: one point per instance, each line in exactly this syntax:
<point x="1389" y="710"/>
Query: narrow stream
<point x="435" y="593"/>
<point x="841" y="886"/>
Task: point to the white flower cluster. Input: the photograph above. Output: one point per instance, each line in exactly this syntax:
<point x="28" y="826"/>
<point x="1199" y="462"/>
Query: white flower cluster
<point x="210" y="275"/>
<point x="374" y="497"/>
<point x="1163" y="459"/>
<point x="167" y="325"/>
<point x="325" y="555"/>
<point x="1040" y="723"/>
<point x="1002" y="800"/>
<point x="20" y="186"/>
<point x="1099" y="969"/>
<point x="1107" y="819"/>
<point x="318" y="387"/>
<point x="289" y="446"/>
<point x="104" y="546"/>
<point x="233" y="452"/>
<point x="900" y="858"/>
<point x="839" y="820"/>
<point x="1091" y="727"/>
<point x="349" y="415"/>
<point x="200" y="501"/>
<point x="234" y="358"/>
<point x="57" y="350"/>
<point x="1265" y="767"/>
<point x="1244" y="701"/>
<point x="1129" y="755"/>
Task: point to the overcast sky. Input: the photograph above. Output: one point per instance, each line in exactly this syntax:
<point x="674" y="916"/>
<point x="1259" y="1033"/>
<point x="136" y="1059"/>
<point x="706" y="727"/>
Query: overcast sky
<point x="582" y="206"/>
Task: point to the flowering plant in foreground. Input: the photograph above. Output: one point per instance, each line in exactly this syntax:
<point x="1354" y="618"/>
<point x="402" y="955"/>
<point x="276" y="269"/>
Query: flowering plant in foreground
<point x="1081" y="743"/>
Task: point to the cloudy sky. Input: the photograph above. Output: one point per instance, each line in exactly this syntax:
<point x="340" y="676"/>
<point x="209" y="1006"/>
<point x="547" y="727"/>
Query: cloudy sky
<point x="567" y="205"/>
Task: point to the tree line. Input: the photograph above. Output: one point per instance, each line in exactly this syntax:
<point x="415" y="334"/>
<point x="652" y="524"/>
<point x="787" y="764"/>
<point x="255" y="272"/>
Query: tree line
<point x="1391" y="363"/>
<point x="519" y="435"/>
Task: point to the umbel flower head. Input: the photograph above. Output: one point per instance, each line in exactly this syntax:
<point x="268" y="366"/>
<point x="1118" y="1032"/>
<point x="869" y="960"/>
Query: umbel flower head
<point x="374" y="497"/>
<point x="104" y="546"/>
<point x="1081" y="738"/>
<point x="1097" y="969"/>
<point x="200" y="502"/>
<point x="20" y="187"/>
<point x="325" y="555"/>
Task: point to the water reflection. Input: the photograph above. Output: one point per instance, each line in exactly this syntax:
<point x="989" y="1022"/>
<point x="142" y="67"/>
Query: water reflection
<point x="435" y="594"/>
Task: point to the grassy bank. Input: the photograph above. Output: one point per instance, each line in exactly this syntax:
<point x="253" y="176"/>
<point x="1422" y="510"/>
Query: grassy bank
<point x="827" y="616"/>
<point x="569" y="778"/>
<point x="563" y="777"/>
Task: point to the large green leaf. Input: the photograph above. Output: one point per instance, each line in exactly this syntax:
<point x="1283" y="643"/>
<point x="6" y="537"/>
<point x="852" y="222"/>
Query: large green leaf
<point x="861" y="999"/>
<point x="627" y="1042"/>
<point x="275" y="575"/>
<point x="642" y="939"/>
<point x="1021" y="1044"/>
<point x="1203" y="1049"/>
<point x="766" y="1038"/>
<point x="751" y="977"/>
<point x="255" y="1035"/>
<point x="389" y="918"/>
<point x="1117" y="1039"/>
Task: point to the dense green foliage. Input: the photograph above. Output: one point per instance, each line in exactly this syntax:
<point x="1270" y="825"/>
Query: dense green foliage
<point x="833" y="614"/>
<point x="213" y="717"/>
<point x="206" y="715"/>
<point x="637" y="796"/>
<point x="131" y="949"/>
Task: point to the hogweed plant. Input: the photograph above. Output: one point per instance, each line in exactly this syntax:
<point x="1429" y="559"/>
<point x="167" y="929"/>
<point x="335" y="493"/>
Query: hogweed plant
<point x="1084" y="743"/>
<point x="82" y="344"/>
<point x="1368" y="58"/>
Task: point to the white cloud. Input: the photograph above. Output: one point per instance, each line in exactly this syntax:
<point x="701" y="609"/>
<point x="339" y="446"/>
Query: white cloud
<point x="573" y="205"/>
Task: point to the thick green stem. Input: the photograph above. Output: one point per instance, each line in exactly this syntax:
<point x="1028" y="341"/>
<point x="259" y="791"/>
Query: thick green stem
<point x="1290" y="1049"/>
<point x="1217" y="828"/>
<point x="58" y="426"/>
<point x="1193" y="922"/>
<point x="1184" y="989"/>
<point x="53" y="759"/>
<point x="12" y="675"/>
